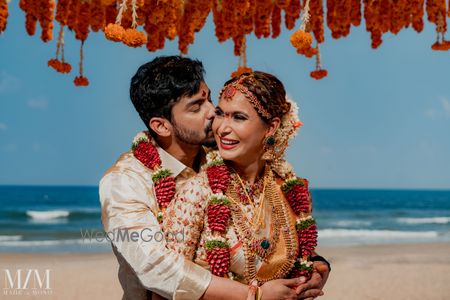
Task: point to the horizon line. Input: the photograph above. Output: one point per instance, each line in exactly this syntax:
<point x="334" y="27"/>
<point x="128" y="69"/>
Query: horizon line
<point x="447" y="189"/>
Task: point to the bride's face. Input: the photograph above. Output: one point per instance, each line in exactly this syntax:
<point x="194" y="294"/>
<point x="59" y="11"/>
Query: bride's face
<point x="239" y="131"/>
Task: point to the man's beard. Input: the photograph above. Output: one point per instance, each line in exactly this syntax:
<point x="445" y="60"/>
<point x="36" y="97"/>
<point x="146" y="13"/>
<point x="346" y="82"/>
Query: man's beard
<point x="191" y="137"/>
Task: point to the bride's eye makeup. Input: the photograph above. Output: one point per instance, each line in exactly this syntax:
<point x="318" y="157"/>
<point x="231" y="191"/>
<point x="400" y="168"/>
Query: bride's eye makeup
<point x="240" y="117"/>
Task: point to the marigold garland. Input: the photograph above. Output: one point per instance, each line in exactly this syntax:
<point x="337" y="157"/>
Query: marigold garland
<point x="60" y="65"/>
<point x="3" y="15"/>
<point x="233" y="20"/>
<point x="81" y="80"/>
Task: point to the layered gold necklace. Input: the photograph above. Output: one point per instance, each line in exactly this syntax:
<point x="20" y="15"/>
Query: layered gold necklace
<point x="248" y="228"/>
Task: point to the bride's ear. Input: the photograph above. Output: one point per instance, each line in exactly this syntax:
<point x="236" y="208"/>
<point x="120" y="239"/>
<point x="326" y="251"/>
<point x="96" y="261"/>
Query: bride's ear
<point x="273" y="126"/>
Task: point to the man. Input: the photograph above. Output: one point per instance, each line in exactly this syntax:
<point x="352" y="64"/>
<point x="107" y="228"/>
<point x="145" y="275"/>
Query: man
<point x="171" y="97"/>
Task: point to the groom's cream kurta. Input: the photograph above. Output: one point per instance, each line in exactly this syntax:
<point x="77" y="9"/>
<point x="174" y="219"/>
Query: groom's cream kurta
<point x="129" y="203"/>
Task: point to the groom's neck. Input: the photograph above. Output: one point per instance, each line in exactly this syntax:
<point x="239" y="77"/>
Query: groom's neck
<point x="185" y="153"/>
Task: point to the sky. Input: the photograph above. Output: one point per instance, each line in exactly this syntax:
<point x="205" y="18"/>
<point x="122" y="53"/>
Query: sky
<point x="381" y="119"/>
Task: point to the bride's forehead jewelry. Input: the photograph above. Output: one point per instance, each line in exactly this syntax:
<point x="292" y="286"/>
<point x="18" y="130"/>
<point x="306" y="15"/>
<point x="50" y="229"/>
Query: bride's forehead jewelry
<point x="230" y="89"/>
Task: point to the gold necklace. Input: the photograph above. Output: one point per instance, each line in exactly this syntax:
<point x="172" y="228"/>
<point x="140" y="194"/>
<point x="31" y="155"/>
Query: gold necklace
<point x="265" y="247"/>
<point x="262" y="247"/>
<point x="257" y="220"/>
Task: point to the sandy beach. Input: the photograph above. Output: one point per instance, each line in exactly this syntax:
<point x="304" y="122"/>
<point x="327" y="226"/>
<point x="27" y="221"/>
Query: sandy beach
<point x="397" y="272"/>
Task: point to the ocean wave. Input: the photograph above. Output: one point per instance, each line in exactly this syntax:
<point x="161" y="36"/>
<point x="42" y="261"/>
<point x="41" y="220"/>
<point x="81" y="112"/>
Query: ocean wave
<point x="433" y="220"/>
<point x="347" y="223"/>
<point x="49" y="214"/>
<point x="10" y="238"/>
<point x="378" y="234"/>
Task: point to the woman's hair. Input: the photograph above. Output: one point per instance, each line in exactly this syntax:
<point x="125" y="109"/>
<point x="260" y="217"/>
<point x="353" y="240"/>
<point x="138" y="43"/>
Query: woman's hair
<point x="268" y="90"/>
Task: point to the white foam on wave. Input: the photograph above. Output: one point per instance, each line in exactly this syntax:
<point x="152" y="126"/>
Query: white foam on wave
<point x="347" y="223"/>
<point x="377" y="234"/>
<point x="49" y="214"/>
<point x="10" y="238"/>
<point x="434" y="220"/>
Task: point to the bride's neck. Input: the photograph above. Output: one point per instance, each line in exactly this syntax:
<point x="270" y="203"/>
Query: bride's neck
<point x="249" y="172"/>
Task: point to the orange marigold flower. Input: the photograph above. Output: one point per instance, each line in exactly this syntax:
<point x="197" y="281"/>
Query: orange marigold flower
<point x="3" y="15"/>
<point x="114" y="32"/>
<point x="66" y="68"/>
<point x="81" y="81"/>
<point x="240" y="71"/>
<point x="55" y="64"/>
<point x="319" y="74"/>
<point x="308" y="52"/>
<point x="444" y="46"/>
<point x="134" y="38"/>
<point x="301" y="39"/>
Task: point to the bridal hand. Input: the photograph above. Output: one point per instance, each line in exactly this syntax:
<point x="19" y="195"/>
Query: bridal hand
<point x="281" y="289"/>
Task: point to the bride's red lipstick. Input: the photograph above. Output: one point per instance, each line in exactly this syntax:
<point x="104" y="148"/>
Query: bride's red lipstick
<point x="228" y="146"/>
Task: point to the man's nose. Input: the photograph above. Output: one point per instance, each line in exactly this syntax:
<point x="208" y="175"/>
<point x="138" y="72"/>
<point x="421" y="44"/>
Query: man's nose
<point x="211" y="111"/>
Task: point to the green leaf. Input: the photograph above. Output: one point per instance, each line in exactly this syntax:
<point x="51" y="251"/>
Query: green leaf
<point x="219" y="200"/>
<point x="305" y="224"/>
<point x="290" y="183"/>
<point x="161" y="174"/>
<point x="134" y="145"/>
<point x="210" y="245"/>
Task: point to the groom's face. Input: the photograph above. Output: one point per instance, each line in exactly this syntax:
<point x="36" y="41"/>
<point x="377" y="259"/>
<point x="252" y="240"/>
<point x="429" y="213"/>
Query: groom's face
<point x="192" y="118"/>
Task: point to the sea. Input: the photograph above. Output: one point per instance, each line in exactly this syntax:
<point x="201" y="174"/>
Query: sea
<point x="68" y="219"/>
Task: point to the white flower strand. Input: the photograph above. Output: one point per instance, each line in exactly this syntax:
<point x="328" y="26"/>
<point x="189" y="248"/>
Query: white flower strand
<point x="305" y="17"/>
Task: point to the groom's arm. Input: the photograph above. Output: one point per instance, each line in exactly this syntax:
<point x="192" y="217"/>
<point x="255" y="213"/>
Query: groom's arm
<point x="128" y="218"/>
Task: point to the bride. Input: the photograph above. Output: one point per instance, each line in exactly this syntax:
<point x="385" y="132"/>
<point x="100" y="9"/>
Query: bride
<point x="246" y="215"/>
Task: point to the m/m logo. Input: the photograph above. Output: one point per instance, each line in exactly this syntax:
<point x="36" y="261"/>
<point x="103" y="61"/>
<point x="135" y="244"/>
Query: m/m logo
<point x="27" y="282"/>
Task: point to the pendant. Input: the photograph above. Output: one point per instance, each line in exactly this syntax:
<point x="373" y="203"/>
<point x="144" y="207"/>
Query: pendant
<point x="265" y="244"/>
<point x="263" y="248"/>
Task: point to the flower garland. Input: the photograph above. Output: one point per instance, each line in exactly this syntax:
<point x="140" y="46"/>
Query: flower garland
<point x="3" y="15"/>
<point x="218" y="214"/>
<point x="164" y="183"/>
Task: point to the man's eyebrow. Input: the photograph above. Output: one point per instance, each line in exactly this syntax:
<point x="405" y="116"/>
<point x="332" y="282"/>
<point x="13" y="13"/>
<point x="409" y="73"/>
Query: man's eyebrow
<point x="195" y="102"/>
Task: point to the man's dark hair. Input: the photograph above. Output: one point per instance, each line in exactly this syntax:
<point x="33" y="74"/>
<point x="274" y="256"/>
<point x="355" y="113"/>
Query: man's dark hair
<point x="159" y="84"/>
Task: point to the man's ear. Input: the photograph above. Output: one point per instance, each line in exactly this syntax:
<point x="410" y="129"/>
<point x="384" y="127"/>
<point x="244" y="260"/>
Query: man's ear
<point x="160" y="126"/>
<point x="273" y="126"/>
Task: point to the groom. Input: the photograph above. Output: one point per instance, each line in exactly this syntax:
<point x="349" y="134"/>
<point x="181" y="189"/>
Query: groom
<point x="172" y="99"/>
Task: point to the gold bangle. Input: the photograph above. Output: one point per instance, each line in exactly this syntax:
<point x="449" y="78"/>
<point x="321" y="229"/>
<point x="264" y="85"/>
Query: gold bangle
<point x="259" y="293"/>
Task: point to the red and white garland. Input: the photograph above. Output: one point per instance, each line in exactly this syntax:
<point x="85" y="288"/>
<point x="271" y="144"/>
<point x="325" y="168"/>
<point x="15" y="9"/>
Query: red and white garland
<point x="218" y="212"/>
<point x="145" y="151"/>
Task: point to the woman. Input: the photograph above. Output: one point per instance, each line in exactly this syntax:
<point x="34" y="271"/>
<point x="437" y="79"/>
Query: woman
<point x="246" y="215"/>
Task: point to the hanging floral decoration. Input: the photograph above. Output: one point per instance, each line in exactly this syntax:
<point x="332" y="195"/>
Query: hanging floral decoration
<point x="60" y="65"/>
<point x="242" y="67"/>
<point x="3" y="15"/>
<point x="80" y="80"/>
<point x="234" y="20"/>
